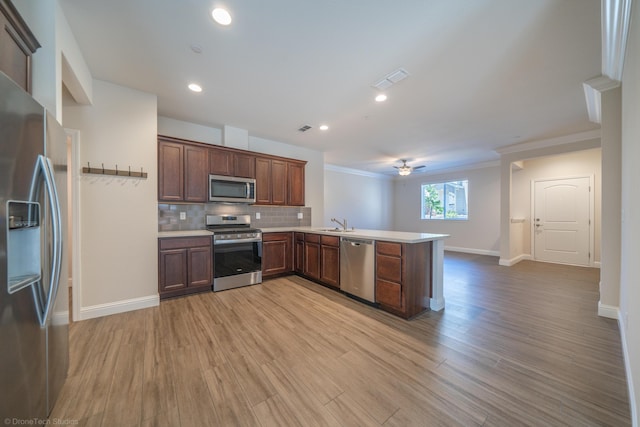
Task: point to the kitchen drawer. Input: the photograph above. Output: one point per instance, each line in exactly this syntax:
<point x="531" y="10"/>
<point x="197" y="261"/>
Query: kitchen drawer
<point x="389" y="248"/>
<point x="389" y="268"/>
<point x="330" y="240"/>
<point x="275" y="237"/>
<point x="299" y="236"/>
<point x="389" y="294"/>
<point x="312" y="238"/>
<point x="184" y="242"/>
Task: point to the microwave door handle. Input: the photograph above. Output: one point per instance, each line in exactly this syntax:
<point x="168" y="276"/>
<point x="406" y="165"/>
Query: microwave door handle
<point x="248" y="190"/>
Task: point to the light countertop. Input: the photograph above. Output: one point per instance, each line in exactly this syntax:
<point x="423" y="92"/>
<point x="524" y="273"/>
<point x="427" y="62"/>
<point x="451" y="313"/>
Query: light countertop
<point x="391" y="236"/>
<point x="184" y="233"/>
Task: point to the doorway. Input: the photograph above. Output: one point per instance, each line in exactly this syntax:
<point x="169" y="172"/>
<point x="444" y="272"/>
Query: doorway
<point x="562" y="224"/>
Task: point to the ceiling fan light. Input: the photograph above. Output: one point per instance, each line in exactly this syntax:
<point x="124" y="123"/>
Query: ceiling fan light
<point x="404" y="170"/>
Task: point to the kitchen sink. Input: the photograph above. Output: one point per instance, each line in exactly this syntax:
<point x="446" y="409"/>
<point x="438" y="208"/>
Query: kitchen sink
<point x="336" y="230"/>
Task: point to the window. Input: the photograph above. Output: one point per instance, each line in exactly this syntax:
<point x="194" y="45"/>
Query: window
<point x="445" y="200"/>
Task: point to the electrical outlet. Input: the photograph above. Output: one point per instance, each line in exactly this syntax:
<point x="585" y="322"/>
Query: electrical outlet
<point x="300" y="215"/>
<point x="183" y="216"/>
<point x="257" y="215"/>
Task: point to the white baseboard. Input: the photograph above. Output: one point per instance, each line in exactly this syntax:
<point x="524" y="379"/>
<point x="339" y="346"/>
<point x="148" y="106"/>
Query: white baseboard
<point x="609" y="311"/>
<point x="108" y="309"/>
<point x="472" y="251"/>
<point x="627" y="366"/>
<point x="60" y="318"/>
<point x="436" y="304"/>
<point x="515" y="260"/>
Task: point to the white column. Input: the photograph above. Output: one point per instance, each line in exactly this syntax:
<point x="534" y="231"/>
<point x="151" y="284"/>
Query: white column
<point x="437" y="275"/>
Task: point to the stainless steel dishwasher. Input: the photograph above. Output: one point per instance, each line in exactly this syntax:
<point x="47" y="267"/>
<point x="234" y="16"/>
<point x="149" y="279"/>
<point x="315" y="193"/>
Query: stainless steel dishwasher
<point x="357" y="268"/>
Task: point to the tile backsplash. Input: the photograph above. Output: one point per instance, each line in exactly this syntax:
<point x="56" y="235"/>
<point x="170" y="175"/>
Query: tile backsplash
<point x="270" y="216"/>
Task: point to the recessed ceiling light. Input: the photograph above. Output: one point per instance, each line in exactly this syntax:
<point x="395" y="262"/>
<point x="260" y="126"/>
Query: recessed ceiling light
<point x="221" y="16"/>
<point x="195" y="87"/>
<point x="196" y="48"/>
<point x="323" y="127"/>
<point x="381" y="98"/>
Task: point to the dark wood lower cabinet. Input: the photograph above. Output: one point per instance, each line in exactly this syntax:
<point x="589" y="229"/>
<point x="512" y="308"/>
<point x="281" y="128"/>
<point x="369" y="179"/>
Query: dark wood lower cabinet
<point x="403" y="271"/>
<point x="185" y="265"/>
<point x="312" y="256"/>
<point x="330" y="261"/>
<point x="298" y="253"/>
<point x="403" y="277"/>
<point x="317" y="257"/>
<point x="277" y="254"/>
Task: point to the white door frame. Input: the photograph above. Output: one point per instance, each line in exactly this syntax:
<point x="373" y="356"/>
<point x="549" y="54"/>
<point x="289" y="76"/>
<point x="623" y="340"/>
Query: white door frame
<point x="74" y="169"/>
<point x="592" y="222"/>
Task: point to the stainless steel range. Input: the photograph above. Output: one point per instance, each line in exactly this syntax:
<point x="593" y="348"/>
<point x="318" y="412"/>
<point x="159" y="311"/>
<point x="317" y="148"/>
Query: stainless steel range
<point x="237" y="251"/>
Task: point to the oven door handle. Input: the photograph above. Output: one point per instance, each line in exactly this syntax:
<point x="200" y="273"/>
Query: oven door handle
<point x="228" y="242"/>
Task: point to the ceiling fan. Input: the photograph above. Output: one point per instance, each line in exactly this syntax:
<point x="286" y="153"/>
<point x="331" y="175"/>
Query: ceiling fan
<point x="405" y="169"/>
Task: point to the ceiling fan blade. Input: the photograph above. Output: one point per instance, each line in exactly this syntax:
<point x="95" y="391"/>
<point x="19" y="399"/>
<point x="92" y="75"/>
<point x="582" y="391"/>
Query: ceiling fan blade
<point x="418" y="167"/>
<point x="397" y="167"/>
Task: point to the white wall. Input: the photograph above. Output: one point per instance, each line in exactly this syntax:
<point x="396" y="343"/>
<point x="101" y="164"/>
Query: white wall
<point x="191" y="131"/>
<point x="479" y="234"/>
<point x="629" y="317"/>
<point x="579" y="163"/>
<point x="365" y="200"/>
<point x="118" y="216"/>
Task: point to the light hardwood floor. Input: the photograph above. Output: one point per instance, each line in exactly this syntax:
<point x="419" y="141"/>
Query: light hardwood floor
<point x="514" y="346"/>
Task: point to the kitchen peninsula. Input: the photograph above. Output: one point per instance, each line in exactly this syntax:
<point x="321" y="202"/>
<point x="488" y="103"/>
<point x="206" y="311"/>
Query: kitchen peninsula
<point x="408" y="268"/>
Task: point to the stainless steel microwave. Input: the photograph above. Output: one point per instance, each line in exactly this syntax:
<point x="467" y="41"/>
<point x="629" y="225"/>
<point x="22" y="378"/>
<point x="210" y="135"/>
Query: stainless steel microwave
<point x="231" y="189"/>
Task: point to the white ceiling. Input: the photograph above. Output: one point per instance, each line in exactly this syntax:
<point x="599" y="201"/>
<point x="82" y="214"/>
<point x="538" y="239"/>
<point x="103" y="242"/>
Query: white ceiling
<point x="483" y="74"/>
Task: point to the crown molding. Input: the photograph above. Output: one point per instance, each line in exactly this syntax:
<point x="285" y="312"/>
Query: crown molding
<point x="593" y="95"/>
<point x="544" y="143"/>
<point x="616" y="18"/>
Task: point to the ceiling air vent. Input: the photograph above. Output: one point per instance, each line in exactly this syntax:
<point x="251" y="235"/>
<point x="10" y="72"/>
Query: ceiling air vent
<point x="304" y="128"/>
<point x="391" y="79"/>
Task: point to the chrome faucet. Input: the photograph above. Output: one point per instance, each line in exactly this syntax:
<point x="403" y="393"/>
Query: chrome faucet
<point x="343" y="224"/>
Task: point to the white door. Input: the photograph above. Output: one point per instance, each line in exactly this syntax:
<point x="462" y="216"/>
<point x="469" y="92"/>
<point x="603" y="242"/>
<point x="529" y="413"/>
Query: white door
<point x="562" y="220"/>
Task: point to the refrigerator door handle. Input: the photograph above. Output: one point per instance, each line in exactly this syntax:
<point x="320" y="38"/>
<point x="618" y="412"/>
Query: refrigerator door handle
<point x="45" y="168"/>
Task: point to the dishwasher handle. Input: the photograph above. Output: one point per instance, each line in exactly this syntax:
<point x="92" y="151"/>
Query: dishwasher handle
<point x="356" y="242"/>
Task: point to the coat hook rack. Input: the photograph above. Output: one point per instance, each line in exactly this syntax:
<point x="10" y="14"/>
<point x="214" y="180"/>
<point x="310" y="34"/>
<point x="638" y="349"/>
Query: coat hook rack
<point x="115" y="172"/>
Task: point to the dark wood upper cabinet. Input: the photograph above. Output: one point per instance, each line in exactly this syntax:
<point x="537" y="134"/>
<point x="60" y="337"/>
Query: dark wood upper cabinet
<point x="184" y="168"/>
<point x="278" y="182"/>
<point x="220" y="161"/>
<point x="295" y="193"/>
<point x="170" y="171"/>
<point x="195" y="174"/>
<point x="244" y="165"/>
<point x="263" y="181"/>
<point x="17" y="44"/>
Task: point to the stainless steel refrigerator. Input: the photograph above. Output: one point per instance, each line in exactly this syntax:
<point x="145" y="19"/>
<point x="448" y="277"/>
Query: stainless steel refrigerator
<point x="34" y="313"/>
